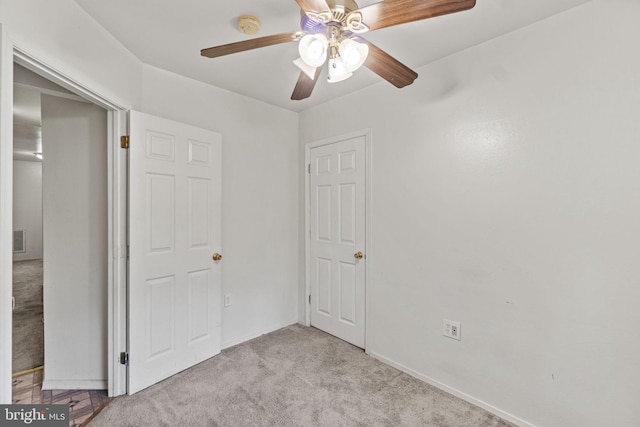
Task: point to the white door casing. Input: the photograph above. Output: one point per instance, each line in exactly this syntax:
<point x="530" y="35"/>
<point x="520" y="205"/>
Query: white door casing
<point x="337" y="257"/>
<point x="174" y="229"/>
<point x="6" y="210"/>
<point x="116" y="205"/>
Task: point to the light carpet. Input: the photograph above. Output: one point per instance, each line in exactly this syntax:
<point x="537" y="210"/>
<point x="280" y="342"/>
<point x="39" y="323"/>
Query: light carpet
<point x="296" y="376"/>
<point x="28" y="328"/>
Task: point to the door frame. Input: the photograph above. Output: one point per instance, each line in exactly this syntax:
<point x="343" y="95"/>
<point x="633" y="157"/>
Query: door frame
<point x="116" y="227"/>
<point x="366" y="133"/>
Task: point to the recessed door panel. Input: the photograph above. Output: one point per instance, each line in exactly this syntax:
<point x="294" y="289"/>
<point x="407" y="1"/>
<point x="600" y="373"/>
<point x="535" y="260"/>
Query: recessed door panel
<point x="160" y="298"/>
<point x="160" y="146"/>
<point x="347" y="286"/>
<point x="323" y="165"/>
<point x="199" y="289"/>
<point x="160" y="213"/>
<point x="324" y="285"/>
<point x="347" y="214"/>
<point x="199" y="213"/>
<point x="199" y="153"/>
<point x="323" y="213"/>
<point x="347" y="161"/>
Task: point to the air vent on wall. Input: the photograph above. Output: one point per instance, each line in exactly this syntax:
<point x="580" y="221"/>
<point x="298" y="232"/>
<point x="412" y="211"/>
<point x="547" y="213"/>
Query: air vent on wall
<point x="19" y="241"/>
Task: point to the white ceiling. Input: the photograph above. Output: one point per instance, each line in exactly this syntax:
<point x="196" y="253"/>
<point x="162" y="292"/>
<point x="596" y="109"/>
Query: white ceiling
<point x="169" y="34"/>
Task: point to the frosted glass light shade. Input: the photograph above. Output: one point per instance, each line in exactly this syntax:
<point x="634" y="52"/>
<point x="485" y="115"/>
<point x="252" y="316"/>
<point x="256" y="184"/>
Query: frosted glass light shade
<point x="353" y="54"/>
<point x="337" y="70"/>
<point x="313" y="49"/>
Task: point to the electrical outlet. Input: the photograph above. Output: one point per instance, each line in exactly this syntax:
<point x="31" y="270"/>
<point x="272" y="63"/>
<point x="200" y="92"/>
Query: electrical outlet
<point x="451" y="329"/>
<point x="227" y="300"/>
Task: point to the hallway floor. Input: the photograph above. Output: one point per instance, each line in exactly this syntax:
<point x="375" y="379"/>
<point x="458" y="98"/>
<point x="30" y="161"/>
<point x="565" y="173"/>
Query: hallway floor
<point x="83" y="404"/>
<point x="28" y="326"/>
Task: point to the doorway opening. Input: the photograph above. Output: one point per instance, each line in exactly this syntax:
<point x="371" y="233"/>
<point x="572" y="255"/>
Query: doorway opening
<point x="113" y="321"/>
<point x="27" y="314"/>
<point x="60" y="205"/>
<point x="28" y="320"/>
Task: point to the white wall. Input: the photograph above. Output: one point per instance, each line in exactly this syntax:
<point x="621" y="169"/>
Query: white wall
<point x="260" y="181"/>
<point x="259" y="197"/>
<point x="66" y="38"/>
<point x="27" y="207"/>
<point x="505" y="196"/>
<point x="74" y="136"/>
<point x="62" y="35"/>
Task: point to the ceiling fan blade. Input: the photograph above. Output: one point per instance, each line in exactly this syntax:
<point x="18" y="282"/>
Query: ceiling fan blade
<point x="305" y="85"/>
<point x="315" y="6"/>
<point x="394" y="12"/>
<point x="227" y="49"/>
<point x="387" y="67"/>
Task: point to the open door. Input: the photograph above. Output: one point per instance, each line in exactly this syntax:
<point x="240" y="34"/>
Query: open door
<point x="174" y="248"/>
<point x="75" y="243"/>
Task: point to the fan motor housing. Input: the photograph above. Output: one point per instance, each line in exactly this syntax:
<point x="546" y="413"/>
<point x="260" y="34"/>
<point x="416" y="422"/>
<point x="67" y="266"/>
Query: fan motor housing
<point x="339" y="10"/>
<point x="349" y="5"/>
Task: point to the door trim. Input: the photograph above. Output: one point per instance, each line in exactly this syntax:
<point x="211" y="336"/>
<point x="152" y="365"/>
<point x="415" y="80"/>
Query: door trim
<point x="117" y="226"/>
<point x="6" y="210"/>
<point x="366" y="133"/>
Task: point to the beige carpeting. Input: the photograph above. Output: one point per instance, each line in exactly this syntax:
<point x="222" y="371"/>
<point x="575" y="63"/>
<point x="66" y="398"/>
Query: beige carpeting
<point x="28" y="328"/>
<point x="295" y="376"/>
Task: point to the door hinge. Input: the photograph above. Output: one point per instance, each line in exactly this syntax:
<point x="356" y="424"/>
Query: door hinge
<point x="124" y="358"/>
<point x="309" y="168"/>
<point x="124" y="141"/>
<point x="309" y="298"/>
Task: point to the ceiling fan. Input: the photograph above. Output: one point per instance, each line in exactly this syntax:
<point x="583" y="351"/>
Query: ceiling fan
<point x="332" y="29"/>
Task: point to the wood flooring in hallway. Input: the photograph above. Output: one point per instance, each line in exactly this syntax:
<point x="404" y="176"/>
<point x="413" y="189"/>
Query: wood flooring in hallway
<point x="83" y="404"/>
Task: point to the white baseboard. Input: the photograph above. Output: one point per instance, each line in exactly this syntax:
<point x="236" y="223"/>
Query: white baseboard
<point x="244" y="338"/>
<point x="74" y="384"/>
<point x="464" y="396"/>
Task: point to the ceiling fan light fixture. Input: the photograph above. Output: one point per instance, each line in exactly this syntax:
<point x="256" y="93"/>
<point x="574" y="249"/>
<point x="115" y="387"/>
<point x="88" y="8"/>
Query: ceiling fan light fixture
<point x="313" y="49"/>
<point x="353" y="53"/>
<point x="326" y="24"/>
<point x="306" y="68"/>
<point x="337" y="70"/>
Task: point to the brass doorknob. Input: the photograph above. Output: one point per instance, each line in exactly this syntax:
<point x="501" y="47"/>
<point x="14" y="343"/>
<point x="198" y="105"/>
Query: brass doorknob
<point x="358" y="255"/>
<point x="216" y="257"/>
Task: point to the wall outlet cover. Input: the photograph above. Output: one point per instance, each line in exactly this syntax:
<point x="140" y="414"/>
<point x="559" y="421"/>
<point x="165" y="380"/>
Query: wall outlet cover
<point x="451" y="329"/>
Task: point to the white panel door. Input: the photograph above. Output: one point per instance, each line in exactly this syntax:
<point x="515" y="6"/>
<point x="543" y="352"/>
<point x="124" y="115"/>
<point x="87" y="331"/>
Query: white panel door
<point x="174" y="231"/>
<point x="337" y="216"/>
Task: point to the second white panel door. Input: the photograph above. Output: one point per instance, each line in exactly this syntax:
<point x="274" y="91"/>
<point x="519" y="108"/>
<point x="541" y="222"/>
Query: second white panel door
<point x="337" y="244"/>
